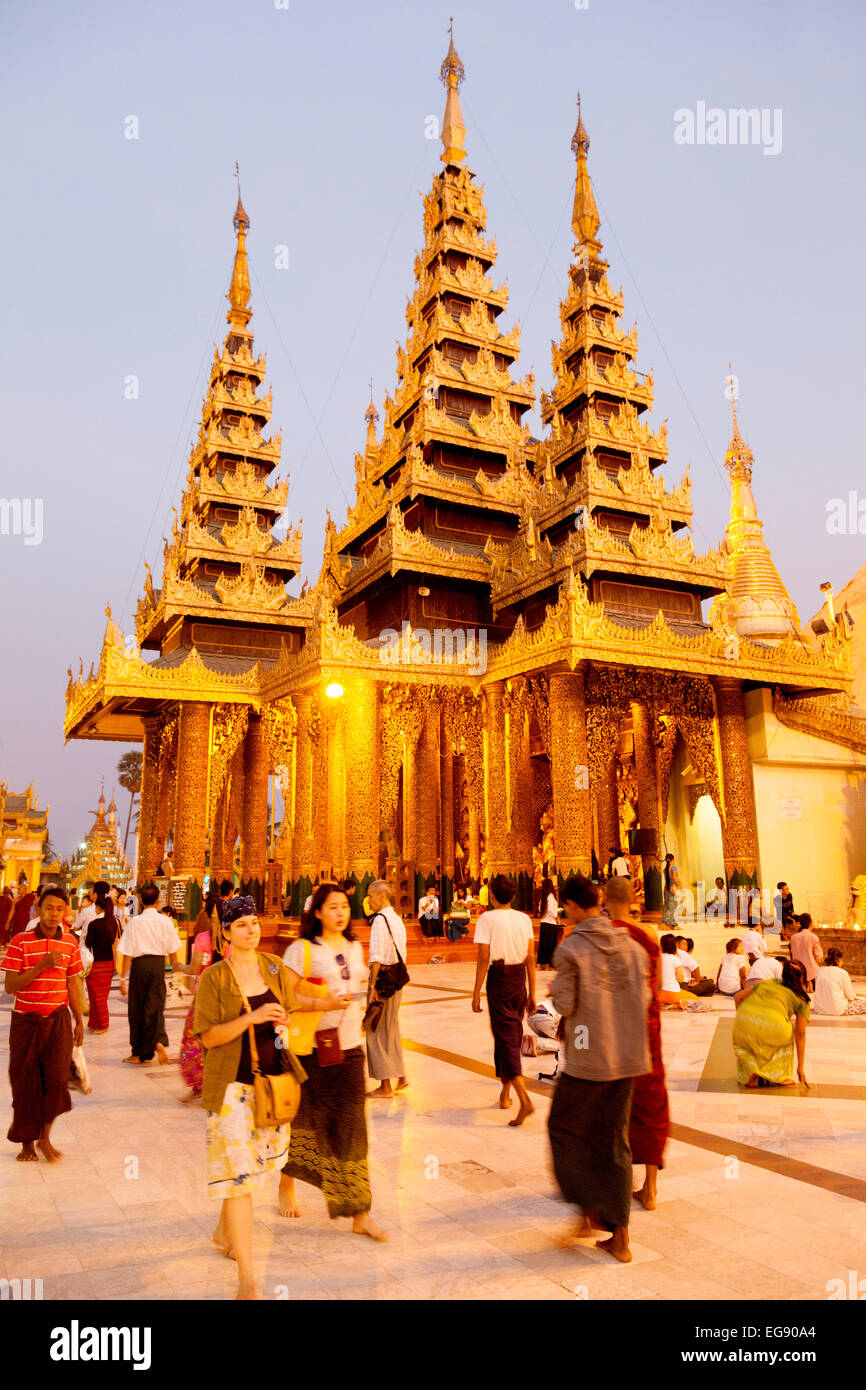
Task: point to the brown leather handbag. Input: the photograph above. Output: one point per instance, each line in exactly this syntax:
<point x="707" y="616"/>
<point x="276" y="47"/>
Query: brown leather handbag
<point x="276" y="1098"/>
<point x="328" y="1047"/>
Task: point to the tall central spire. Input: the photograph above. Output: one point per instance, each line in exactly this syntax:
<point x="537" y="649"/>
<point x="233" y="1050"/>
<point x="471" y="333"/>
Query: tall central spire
<point x="238" y="296"/>
<point x="453" y="129"/>
<point x="584" y="217"/>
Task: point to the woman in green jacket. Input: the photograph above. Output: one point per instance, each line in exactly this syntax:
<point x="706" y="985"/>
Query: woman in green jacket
<point x="239" y="1154"/>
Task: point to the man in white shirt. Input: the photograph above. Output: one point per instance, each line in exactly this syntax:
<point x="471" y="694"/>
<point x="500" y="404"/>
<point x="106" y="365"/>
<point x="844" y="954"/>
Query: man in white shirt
<point x="695" y="982"/>
<point x="765" y="968"/>
<point x="716" y="902"/>
<point x="428" y="914"/>
<point x="617" y="866"/>
<point x="506" y="955"/>
<point x="387" y="939"/>
<point x="144" y="945"/>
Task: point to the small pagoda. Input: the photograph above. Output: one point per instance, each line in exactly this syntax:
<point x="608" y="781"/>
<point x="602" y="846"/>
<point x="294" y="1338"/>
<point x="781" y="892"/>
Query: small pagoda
<point x="100" y="855"/>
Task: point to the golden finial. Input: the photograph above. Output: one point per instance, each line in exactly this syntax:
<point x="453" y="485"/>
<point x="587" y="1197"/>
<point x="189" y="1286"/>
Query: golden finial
<point x="580" y="139"/>
<point x="453" y="130"/>
<point x="240" y="314"/>
<point x="584" y="217"/>
<point x="739" y="457"/>
<point x="371" y="415"/>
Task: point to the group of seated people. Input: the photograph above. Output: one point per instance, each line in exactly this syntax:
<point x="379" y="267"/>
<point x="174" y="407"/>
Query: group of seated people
<point x="746" y="961"/>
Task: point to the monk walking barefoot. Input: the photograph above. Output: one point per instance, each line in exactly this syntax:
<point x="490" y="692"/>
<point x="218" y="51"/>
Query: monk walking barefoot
<point x="28" y="1154"/>
<point x="364" y="1225"/>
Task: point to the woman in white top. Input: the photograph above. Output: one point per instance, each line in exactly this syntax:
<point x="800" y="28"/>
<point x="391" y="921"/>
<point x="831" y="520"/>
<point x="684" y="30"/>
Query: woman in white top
<point x="834" y="992"/>
<point x="733" y="971"/>
<point x="549" y="931"/>
<point x="328" y="1147"/>
<point x="671" y="994"/>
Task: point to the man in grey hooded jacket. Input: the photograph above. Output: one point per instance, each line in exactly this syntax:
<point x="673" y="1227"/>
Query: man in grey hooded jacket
<point x="602" y="991"/>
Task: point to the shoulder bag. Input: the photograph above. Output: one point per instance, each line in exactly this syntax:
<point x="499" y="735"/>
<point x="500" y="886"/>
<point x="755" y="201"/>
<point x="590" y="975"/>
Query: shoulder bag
<point x="390" y="978"/>
<point x="302" y="1029"/>
<point x="276" y="1098"/>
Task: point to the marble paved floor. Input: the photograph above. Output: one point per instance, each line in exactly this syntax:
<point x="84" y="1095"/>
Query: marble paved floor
<point x="764" y="1194"/>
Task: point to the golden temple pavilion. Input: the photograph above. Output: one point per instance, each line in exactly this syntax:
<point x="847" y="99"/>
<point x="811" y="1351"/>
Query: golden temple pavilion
<point x="23" y="839"/>
<point x="100" y="854"/>
<point x="505" y="663"/>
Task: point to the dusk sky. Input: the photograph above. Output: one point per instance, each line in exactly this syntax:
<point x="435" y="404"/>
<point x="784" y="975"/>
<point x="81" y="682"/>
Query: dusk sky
<point x="117" y="254"/>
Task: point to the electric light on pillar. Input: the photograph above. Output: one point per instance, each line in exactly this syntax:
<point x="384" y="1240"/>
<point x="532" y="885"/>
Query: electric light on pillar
<point x="334" y="691"/>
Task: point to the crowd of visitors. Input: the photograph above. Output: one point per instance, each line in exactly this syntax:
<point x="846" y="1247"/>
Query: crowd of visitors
<point x="277" y="1051"/>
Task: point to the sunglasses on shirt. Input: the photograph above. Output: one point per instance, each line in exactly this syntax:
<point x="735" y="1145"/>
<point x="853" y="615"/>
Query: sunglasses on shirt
<point x="345" y="973"/>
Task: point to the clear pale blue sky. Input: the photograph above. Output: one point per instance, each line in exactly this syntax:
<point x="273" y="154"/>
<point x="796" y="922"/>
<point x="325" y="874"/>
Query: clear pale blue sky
<point x="116" y="258"/>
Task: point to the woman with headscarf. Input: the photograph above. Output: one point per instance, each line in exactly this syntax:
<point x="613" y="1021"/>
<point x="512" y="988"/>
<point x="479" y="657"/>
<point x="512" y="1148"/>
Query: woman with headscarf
<point x="248" y="989"/>
<point x="328" y="1147"/>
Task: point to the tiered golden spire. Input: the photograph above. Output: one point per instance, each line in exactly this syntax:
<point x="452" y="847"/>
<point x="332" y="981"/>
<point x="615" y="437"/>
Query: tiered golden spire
<point x="584" y="217"/>
<point x="238" y="296"/>
<point x="371" y="415"/>
<point x="453" y="129"/>
<point x="757" y="603"/>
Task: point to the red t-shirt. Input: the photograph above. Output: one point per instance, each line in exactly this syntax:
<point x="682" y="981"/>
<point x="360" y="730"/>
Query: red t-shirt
<point x="48" y="991"/>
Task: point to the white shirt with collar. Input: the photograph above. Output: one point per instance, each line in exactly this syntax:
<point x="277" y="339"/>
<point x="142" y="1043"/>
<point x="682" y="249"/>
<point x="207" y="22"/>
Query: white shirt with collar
<point x="382" y="947"/>
<point x="428" y="906"/>
<point x="150" y="934"/>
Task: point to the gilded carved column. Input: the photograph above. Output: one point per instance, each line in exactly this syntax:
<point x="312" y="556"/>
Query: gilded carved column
<point x="336" y="799"/>
<point x="254" y="813"/>
<point x="647" y="801"/>
<point x="427" y="792"/>
<point x="190" y="822"/>
<point x="303" y="850"/>
<point x="362" y="778"/>
<point x="496" y="785"/>
<point x="606" y="799"/>
<point x="147" y="860"/>
<point x="446" y="778"/>
<point x="524" y="822"/>
<point x="572" y="811"/>
<point x="739" y="834"/>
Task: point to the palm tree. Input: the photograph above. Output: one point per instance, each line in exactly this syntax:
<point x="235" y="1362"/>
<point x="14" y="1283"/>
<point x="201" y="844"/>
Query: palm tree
<point x="129" y="775"/>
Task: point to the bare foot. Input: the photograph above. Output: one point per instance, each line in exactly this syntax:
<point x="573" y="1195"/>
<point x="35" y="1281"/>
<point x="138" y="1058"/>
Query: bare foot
<point x="48" y="1149"/>
<point x="162" y="1055"/>
<point x="505" y="1099"/>
<point x="135" y="1061"/>
<point x="646" y="1199"/>
<point x="222" y="1243"/>
<point x="364" y="1225"/>
<point x="583" y="1230"/>
<point x="28" y="1154"/>
<point x="402" y="1083"/>
<point x="247" y="1293"/>
<point x="523" y="1114"/>
<point x="381" y="1092"/>
<point x="191" y="1098"/>
<point x="288" y="1203"/>
<point x="617" y="1245"/>
<point x="754" y="1081"/>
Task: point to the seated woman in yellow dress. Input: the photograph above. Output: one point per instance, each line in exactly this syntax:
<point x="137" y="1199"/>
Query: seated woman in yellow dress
<point x="769" y="1027"/>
